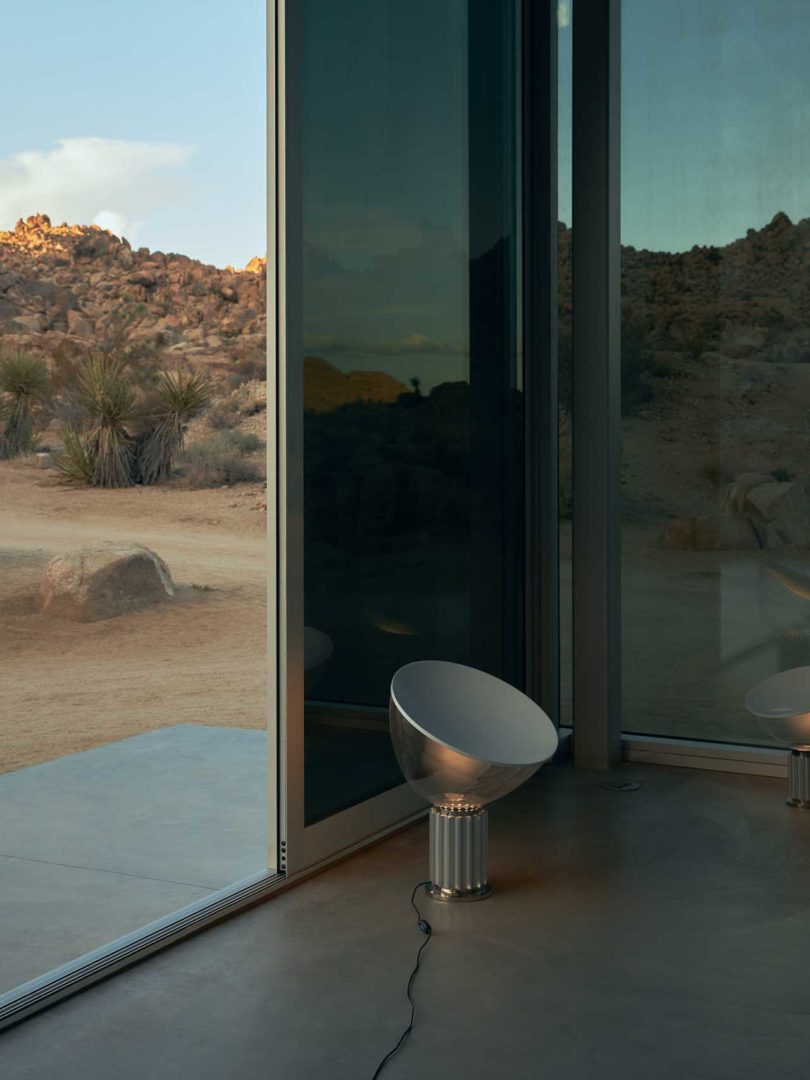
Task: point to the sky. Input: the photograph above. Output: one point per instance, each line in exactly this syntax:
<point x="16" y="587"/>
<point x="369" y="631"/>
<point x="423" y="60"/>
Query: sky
<point x="149" y="118"/>
<point x="145" y="117"/>
<point x="715" y="118"/>
<point x="715" y="140"/>
<point x="384" y="114"/>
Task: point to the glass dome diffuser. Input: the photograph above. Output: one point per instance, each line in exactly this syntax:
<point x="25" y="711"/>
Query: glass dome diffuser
<point x="463" y="738"/>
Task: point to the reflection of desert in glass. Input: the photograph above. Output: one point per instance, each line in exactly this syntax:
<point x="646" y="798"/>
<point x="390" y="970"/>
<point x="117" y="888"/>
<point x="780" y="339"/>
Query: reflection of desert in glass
<point x="387" y="518"/>
<point x="715" y="473"/>
<point x="133" y="416"/>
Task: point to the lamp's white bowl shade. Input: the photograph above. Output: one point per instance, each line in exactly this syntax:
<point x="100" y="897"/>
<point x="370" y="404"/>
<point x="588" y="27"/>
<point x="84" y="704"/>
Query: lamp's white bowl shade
<point x="782" y="703"/>
<point x="462" y="737"/>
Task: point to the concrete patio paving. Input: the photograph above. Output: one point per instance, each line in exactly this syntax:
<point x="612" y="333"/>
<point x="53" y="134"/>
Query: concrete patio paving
<point x="97" y="844"/>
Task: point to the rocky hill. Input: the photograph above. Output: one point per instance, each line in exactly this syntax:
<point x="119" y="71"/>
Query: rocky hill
<point x="66" y="288"/>
<point x="749" y="299"/>
<point x="326" y="387"/>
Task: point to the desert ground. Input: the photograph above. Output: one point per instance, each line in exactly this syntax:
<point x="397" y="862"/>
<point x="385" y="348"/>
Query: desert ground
<point x="200" y="658"/>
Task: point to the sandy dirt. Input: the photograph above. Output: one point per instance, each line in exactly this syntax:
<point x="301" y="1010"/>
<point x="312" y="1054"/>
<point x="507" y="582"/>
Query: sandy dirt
<point x="201" y="658"/>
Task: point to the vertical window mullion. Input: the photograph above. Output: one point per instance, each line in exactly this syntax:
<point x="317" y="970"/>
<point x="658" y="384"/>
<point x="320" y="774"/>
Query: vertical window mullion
<point x="596" y="384"/>
<point x="540" y="213"/>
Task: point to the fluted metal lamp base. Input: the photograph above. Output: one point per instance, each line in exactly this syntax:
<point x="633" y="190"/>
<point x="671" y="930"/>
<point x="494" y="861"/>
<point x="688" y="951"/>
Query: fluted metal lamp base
<point x="458" y="854"/>
<point x="799" y="778"/>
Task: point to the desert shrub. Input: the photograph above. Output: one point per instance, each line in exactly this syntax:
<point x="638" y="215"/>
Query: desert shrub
<point x="179" y="397"/>
<point x="77" y="461"/>
<point x="243" y="401"/>
<point x="223" y="414"/>
<point x="782" y="475"/>
<point x="121" y="431"/>
<point x="223" y="458"/>
<point x="247" y="367"/>
<point x="637" y="366"/>
<point x="24" y="385"/>
<point x="110" y="403"/>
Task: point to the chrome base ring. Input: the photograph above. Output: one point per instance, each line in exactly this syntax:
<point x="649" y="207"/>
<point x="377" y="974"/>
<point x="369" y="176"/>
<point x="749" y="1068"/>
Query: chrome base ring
<point x="453" y="896"/>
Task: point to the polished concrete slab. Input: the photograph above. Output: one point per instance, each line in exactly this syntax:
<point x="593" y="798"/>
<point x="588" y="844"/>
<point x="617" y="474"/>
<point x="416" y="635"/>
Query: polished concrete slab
<point x="97" y="844"/>
<point x="184" y="803"/>
<point x="51" y="914"/>
<point x="658" y="933"/>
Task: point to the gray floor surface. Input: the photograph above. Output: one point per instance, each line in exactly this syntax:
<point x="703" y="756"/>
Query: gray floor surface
<point x="97" y="844"/>
<point x="658" y="933"/>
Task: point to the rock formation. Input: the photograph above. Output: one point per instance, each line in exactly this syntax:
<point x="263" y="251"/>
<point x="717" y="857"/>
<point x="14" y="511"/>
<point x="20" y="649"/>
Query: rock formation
<point x="326" y="387"/>
<point x="103" y="581"/>
<point x="757" y="512"/>
<point x="64" y="288"/>
<point x="750" y="298"/>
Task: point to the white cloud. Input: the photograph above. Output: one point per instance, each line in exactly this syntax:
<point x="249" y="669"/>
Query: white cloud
<point x="109" y="182"/>
<point x="412" y="344"/>
<point x="563" y="14"/>
<point x="118" y="224"/>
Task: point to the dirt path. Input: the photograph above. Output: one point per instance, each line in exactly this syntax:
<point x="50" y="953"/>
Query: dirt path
<point x="65" y="687"/>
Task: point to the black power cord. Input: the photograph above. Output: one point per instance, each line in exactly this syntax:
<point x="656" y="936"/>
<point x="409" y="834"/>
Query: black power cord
<point x="425" y="927"/>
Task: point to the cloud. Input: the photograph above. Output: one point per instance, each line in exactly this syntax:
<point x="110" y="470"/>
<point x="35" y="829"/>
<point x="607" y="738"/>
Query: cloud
<point x="117" y="223"/>
<point x="563" y="14"/>
<point x="111" y="182"/>
<point x="413" y="344"/>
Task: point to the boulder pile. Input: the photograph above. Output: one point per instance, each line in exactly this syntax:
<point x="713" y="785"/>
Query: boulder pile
<point x="63" y="288"/>
<point x="757" y="511"/>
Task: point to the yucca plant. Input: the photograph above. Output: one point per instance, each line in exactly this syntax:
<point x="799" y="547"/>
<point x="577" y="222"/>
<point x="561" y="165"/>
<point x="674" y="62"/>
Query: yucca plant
<point x="24" y="384"/>
<point x="4" y="411"/>
<point x="108" y="397"/>
<point x="78" y="461"/>
<point x="178" y="397"/>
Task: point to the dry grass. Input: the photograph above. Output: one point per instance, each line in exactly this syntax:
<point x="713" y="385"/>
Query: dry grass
<point x="229" y="457"/>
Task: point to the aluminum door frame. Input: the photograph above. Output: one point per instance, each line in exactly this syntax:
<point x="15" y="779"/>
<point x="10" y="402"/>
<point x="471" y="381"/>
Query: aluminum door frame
<point x="302" y="846"/>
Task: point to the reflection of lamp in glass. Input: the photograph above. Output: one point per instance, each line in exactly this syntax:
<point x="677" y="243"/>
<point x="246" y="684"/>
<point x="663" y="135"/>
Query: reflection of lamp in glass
<point x="782" y="703"/>
<point x="463" y="738"/>
<point x="793" y="640"/>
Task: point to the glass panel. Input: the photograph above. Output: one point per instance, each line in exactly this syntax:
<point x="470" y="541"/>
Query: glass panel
<point x="715" y="351"/>
<point x="133" y="708"/>
<point x="412" y="429"/>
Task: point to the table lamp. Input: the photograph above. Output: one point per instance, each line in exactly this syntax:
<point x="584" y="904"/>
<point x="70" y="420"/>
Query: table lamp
<point x="782" y="703"/>
<point x="463" y="738"/>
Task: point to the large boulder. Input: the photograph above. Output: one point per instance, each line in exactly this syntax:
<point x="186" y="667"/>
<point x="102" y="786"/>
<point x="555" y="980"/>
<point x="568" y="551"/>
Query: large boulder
<point x="79" y="325"/>
<point x="780" y="512"/>
<point x="103" y="581"/>
<point x="737" y="492"/>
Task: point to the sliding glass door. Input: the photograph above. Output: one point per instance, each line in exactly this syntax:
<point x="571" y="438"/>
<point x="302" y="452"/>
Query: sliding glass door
<point x="136" y="689"/>
<point x="715" y="351"/>
<point x="404" y="450"/>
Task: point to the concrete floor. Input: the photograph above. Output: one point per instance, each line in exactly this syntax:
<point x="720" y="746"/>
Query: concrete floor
<point x="97" y="844"/>
<point x="657" y="933"/>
